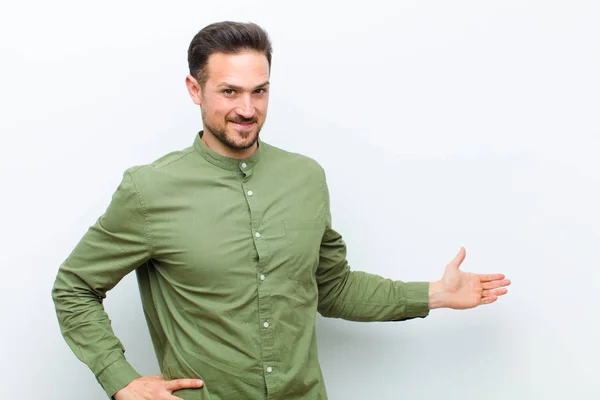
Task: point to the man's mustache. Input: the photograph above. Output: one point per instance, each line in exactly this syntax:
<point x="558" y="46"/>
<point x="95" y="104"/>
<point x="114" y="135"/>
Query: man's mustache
<point x="241" y="120"/>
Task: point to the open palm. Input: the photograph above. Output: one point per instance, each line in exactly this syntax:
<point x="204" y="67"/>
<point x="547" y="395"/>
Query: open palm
<point x="461" y="290"/>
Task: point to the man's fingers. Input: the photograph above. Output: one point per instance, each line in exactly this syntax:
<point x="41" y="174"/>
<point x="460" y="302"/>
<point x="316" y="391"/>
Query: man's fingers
<point x="488" y="300"/>
<point x="490" y="277"/>
<point x="495" y="284"/>
<point x="177" y="384"/>
<point x="494" y="292"/>
<point x="459" y="258"/>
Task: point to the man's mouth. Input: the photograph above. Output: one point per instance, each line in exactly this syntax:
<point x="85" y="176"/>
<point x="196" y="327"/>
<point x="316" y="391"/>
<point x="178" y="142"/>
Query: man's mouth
<point x="244" y="124"/>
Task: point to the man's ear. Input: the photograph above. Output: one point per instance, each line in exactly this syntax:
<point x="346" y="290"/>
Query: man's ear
<point x="194" y="89"/>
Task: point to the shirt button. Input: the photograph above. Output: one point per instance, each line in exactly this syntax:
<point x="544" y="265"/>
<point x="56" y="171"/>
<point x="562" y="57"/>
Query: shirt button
<point x="257" y="234"/>
<point x="269" y="369"/>
<point x="262" y="277"/>
<point x="244" y="165"/>
<point x="250" y="193"/>
<point x="266" y="324"/>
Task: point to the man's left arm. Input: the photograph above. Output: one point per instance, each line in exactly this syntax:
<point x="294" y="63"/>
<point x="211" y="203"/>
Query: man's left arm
<point x="360" y="296"/>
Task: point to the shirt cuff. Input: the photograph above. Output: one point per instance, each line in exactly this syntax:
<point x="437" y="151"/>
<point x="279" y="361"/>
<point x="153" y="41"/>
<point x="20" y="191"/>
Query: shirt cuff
<point x="416" y="296"/>
<point x="116" y="376"/>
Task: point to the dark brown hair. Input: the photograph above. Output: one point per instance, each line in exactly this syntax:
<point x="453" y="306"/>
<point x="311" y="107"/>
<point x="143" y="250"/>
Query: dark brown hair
<point x="225" y="37"/>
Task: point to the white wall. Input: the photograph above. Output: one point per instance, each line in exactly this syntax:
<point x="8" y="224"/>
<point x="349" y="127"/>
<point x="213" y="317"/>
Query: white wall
<point x="484" y="113"/>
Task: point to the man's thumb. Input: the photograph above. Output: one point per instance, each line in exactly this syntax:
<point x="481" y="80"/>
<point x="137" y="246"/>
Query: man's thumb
<point x="455" y="263"/>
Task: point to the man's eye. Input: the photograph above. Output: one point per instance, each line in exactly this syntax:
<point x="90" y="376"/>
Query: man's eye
<point x="261" y="90"/>
<point x="229" y="91"/>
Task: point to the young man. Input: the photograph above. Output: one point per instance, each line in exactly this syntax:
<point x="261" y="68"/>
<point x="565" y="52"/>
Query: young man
<point x="232" y="243"/>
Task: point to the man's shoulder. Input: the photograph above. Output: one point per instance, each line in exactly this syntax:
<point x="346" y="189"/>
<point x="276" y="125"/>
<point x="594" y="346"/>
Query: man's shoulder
<point x="162" y="166"/>
<point x="292" y="159"/>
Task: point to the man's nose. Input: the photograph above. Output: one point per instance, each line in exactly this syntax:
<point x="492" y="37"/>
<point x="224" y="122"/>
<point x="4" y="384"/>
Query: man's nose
<point x="245" y="107"/>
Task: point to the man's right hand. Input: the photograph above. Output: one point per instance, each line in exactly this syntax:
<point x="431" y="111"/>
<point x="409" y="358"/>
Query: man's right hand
<point x="155" y="388"/>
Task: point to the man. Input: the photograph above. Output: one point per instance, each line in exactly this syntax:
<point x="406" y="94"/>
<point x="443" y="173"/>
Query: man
<point x="232" y="243"/>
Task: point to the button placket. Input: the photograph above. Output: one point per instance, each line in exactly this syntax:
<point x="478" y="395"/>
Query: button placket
<point x="266" y="330"/>
<point x="266" y="336"/>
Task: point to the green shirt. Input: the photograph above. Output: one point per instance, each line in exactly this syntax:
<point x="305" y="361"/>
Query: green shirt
<point x="233" y="258"/>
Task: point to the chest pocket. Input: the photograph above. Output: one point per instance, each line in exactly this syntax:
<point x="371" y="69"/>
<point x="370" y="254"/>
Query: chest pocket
<point x="303" y="238"/>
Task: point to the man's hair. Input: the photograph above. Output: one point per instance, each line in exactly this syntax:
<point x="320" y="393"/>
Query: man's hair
<point x="225" y="37"/>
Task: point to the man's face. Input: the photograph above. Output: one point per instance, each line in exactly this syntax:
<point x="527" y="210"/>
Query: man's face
<point x="235" y="97"/>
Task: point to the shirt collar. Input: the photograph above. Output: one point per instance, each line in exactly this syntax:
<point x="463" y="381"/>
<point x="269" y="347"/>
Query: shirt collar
<point x="221" y="161"/>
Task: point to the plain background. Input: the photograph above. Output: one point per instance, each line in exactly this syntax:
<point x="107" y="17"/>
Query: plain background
<point x="439" y="124"/>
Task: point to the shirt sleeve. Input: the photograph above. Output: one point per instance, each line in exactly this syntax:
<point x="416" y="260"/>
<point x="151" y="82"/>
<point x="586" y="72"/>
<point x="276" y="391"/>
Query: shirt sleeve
<point x="115" y="245"/>
<point x="360" y="296"/>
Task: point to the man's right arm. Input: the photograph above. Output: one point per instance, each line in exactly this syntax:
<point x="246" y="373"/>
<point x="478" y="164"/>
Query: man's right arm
<point x="115" y="245"/>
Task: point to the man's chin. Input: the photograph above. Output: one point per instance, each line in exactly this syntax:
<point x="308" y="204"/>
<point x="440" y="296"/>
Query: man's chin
<point x="242" y="141"/>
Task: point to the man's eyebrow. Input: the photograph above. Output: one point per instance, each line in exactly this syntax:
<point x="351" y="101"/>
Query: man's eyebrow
<point x="239" y="88"/>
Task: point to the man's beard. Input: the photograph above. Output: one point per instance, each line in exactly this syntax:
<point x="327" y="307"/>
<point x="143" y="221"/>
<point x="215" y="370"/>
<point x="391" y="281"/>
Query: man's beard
<point x="221" y="134"/>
